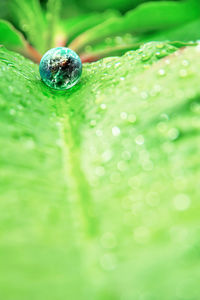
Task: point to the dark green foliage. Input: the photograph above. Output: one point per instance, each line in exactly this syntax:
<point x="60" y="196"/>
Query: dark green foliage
<point x="95" y="35"/>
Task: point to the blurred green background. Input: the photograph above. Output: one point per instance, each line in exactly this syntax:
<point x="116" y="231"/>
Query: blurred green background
<point x="72" y="8"/>
<point x="95" y="29"/>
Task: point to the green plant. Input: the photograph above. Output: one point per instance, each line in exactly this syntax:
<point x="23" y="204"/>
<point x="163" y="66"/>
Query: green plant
<point x="99" y="184"/>
<point x="97" y="35"/>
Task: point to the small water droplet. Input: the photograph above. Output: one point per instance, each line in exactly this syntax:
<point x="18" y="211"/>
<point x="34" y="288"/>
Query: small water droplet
<point x="132" y="118"/>
<point x="161" y="72"/>
<point x="88" y="48"/>
<point x="146" y="66"/>
<point x="185" y="62"/>
<point x="144" y="95"/>
<point x="118" y="40"/>
<point x="103" y="106"/>
<point x="93" y="123"/>
<point x="122" y="166"/>
<point x="116" y="131"/>
<point x="145" y="57"/>
<point x="158" y="53"/>
<point x="160" y="46"/>
<point x="165" y="116"/>
<point x="173" y="134"/>
<point x="183" y="73"/>
<point x="167" y="61"/>
<point x="106" y="155"/>
<point x="25" y="27"/>
<point x="117" y="64"/>
<point x="123" y="115"/>
<point x="139" y="140"/>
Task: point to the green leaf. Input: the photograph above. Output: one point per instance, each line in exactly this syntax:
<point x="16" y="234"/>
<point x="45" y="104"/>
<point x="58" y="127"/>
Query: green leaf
<point x="102" y="5"/>
<point x="29" y="17"/>
<point x="10" y="37"/>
<point x="99" y="184"/>
<point x="75" y="26"/>
<point x="4" y="9"/>
<point x="53" y="14"/>
<point x="145" y="18"/>
<point x="14" y="40"/>
<point x="187" y="32"/>
<point x="121" y="44"/>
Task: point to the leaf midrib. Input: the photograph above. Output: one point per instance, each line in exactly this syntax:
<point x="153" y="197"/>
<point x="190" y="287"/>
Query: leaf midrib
<point x="78" y="188"/>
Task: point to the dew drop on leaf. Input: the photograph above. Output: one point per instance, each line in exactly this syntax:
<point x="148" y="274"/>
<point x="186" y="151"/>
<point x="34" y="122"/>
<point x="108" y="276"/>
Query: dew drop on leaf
<point x="161" y="72"/>
<point x="115" y="131"/>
